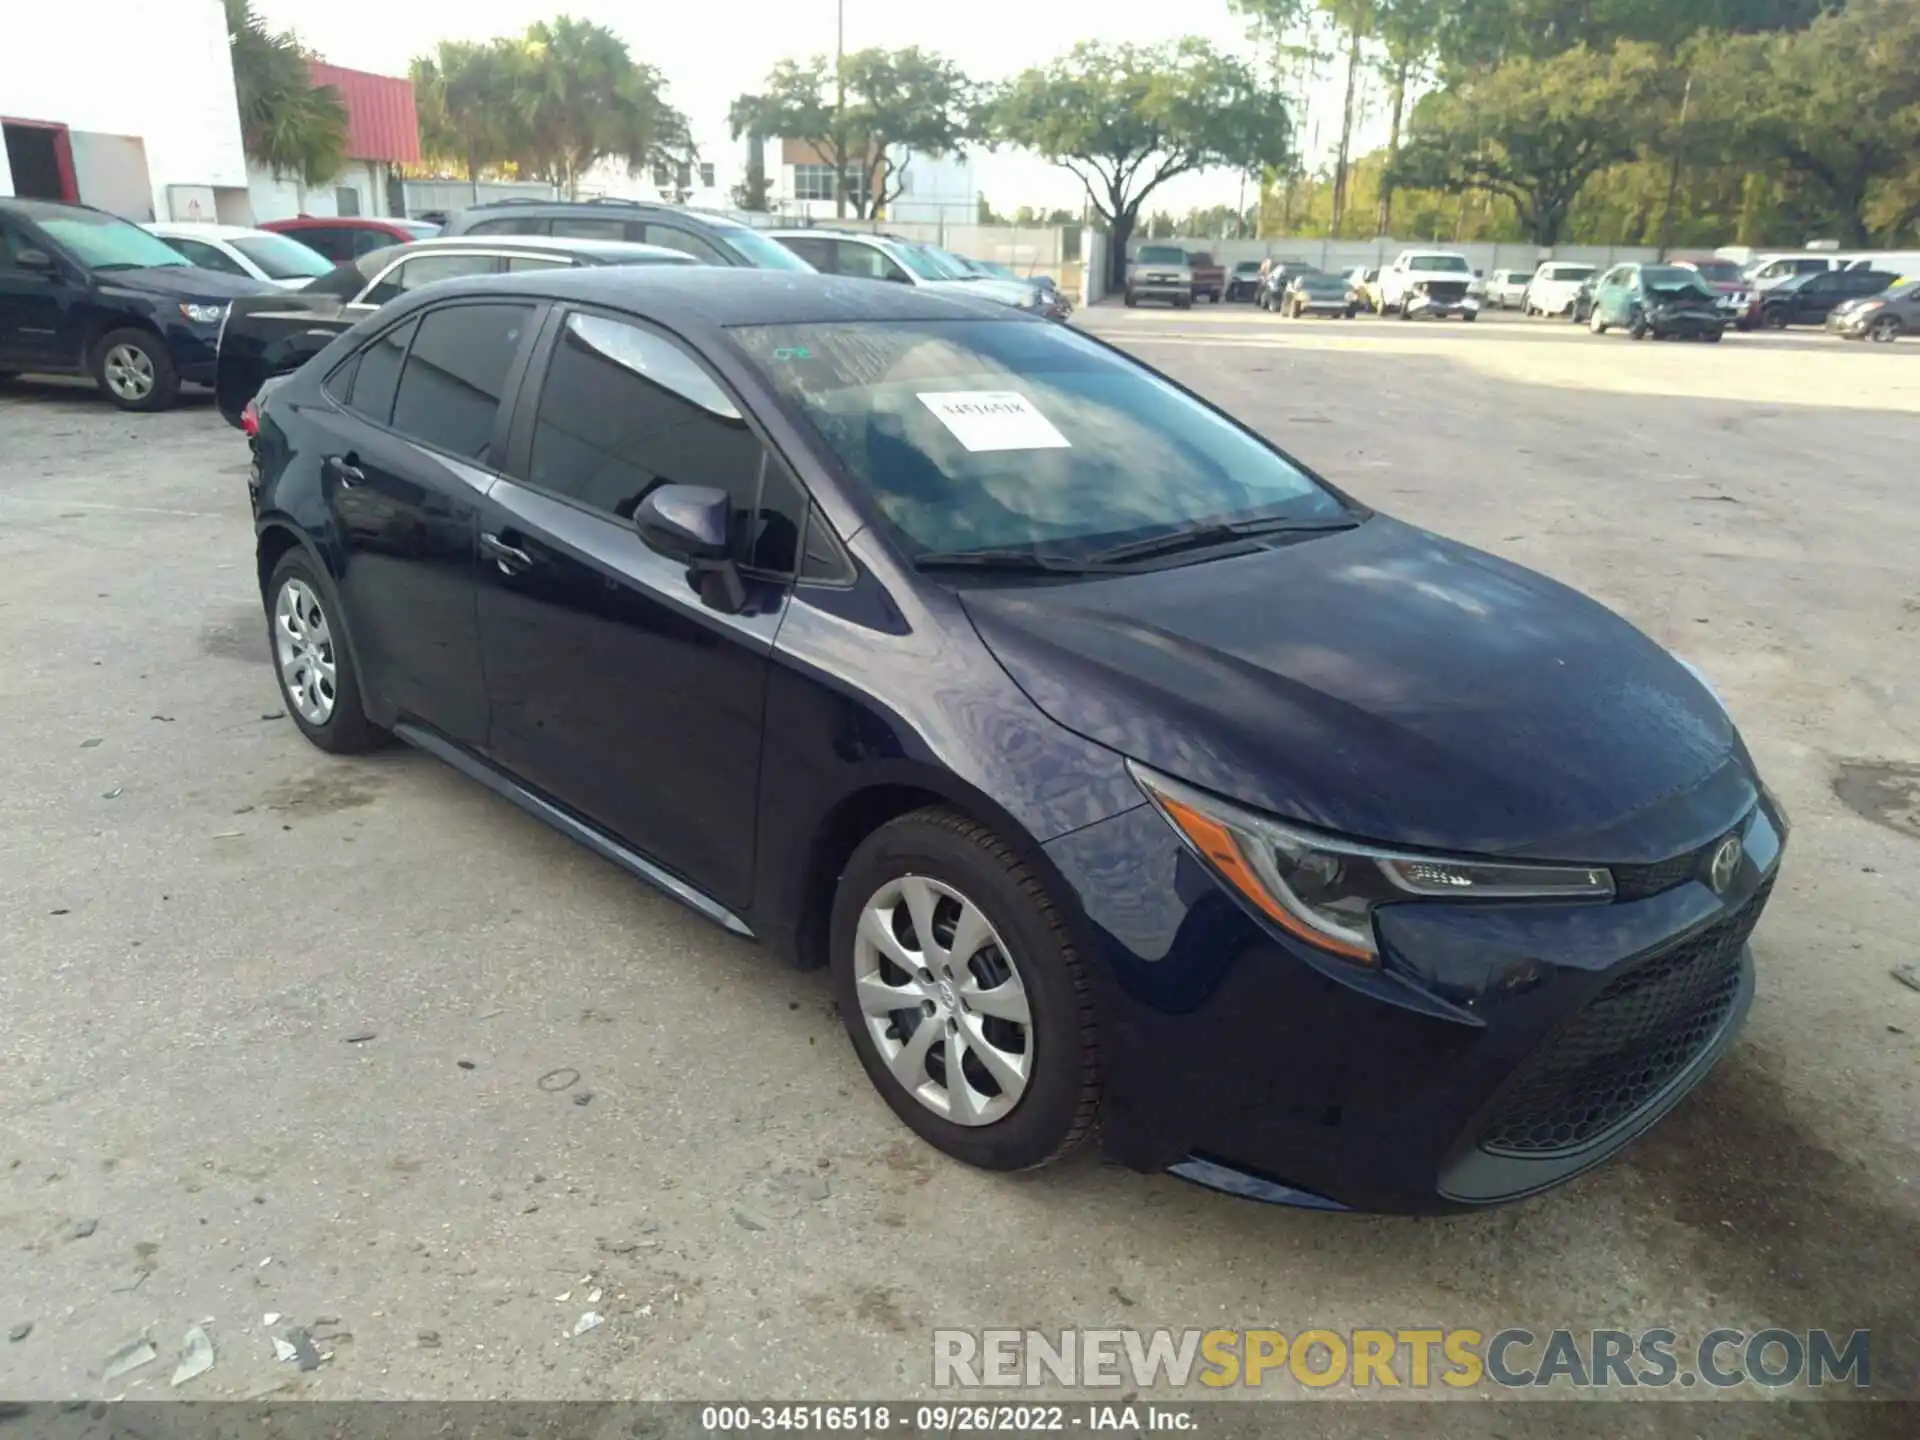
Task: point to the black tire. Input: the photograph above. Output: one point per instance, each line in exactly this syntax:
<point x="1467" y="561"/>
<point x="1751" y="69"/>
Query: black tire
<point x="165" y="388"/>
<point x="1774" y="319"/>
<point x="1469" y="316"/>
<point x="347" y="730"/>
<point x="1886" y="329"/>
<point x="1131" y="300"/>
<point x="1183" y="302"/>
<point x="1712" y="337"/>
<point x="1402" y="311"/>
<point x="1062" y="1095"/>
<point x="1637" y="327"/>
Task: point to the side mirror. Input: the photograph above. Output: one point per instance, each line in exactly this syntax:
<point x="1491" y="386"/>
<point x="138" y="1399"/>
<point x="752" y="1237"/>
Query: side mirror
<point x="32" y="259"/>
<point x="690" y="523"/>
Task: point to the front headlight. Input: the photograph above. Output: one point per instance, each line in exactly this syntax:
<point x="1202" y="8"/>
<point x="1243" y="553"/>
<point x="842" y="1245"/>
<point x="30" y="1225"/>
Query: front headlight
<point x="1323" y="889"/>
<point x="202" y="314"/>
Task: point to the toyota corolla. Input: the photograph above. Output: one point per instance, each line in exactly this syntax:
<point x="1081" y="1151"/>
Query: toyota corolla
<point x="1121" y="771"/>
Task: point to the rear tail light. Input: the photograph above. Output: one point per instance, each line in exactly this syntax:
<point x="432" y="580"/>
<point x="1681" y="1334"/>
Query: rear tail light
<point x="250" y="419"/>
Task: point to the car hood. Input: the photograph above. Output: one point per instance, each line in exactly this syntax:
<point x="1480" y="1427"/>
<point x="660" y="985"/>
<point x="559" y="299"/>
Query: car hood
<point x="1388" y="684"/>
<point x="185" y="282"/>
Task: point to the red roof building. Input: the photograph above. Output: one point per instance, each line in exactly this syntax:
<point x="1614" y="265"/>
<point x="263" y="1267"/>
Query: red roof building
<point x="382" y="124"/>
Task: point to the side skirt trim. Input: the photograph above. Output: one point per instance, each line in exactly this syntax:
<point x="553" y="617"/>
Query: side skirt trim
<point x="602" y="844"/>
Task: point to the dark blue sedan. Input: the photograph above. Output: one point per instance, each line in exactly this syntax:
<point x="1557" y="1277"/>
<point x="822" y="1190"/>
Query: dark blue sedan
<point x="1119" y="769"/>
<point x="83" y="292"/>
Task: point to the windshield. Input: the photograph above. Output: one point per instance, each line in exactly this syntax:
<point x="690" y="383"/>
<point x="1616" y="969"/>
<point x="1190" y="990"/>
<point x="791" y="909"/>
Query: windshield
<point x="1673" y="283"/>
<point x="975" y="434"/>
<point x="1161" y="255"/>
<point x="760" y="251"/>
<point x="1566" y="272"/>
<point x="920" y="262"/>
<point x="1247" y="267"/>
<point x="1319" y="284"/>
<point x="1440" y="262"/>
<point x="280" y="258"/>
<point x="1720" y="272"/>
<point x="956" y="268"/>
<point x="104" y="242"/>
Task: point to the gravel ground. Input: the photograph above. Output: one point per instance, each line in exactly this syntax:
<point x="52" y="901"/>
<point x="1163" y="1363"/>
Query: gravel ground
<point x="357" y="1045"/>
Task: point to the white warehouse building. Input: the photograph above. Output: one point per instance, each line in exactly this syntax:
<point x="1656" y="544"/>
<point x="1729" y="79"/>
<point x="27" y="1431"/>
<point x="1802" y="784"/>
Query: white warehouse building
<point x="144" y="124"/>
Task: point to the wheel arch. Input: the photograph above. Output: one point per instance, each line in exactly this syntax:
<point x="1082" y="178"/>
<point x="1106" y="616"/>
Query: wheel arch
<point x="804" y="891"/>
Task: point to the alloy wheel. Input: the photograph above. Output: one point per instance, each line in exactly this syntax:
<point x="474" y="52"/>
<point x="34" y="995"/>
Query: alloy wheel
<point x="303" y="647"/>
<point x="129" y="371"/>
<point x="1886" y="329"/>
<point x="943" y="1000"/>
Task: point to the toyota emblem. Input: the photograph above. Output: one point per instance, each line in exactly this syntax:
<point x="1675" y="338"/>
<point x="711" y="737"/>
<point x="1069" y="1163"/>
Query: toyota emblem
<point x="1726" y="860"/>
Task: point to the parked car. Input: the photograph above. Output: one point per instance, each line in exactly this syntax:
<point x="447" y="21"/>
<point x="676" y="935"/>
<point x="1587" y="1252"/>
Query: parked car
<point x="862" y="255"/>
<point x="1884" y="317"/>
<point x="344" y="237"/>
<point x="1806" y="299"/>
<point x="1508" y="288"/>
<point x="1764" y="270"/>
<point x="1662" y="301"/>
<point x="83" y="292"/>
<point x="1052" y="296"/>
<point x="1160" y="272"/>
<point x="1243" y="283"/>
<point x="1726" y="281"/>
<point x="1436" y="283"/>
<point x="1553" y="286"/>
<point x="1363" y="284"/>
<point x="1314" y="292"/>
<point x="273" y="334"/>
<point x="241" y="250"/>
<point x="1280" y="274"/>
<point x="711" y="238"/>
<point x="865" y="623"/>
<point x="1580" y="308"/>
<point x="1209" y="277"/>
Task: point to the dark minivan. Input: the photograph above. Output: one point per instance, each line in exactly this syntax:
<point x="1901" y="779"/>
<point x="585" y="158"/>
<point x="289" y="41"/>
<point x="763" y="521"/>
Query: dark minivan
<point x="83" y="292"/>
<point x="1117" y="767"/>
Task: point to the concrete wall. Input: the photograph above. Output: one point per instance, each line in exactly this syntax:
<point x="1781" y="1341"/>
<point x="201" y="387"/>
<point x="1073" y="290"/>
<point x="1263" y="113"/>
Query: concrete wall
<point x="158" y="70"/>
<point x="275" y="198"/>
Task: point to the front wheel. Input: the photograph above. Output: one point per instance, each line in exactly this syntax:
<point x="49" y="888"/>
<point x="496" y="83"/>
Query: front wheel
<point x="1712" y="337"/>
<point x="315" y="668"/>
<point x="1596" y="322"/>
<point x="135" y="370"/>
<point x="965" y="998"/>
<point x="1886" y="329"/>
<point x="1775" y="319"/>
<point x="1131" y="300"/>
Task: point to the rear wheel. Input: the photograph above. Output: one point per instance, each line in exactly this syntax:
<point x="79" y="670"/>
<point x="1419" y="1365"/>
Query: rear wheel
<point x="965" y="998"/>
<point x="317" y="677"/>
<point x="135" y="370"/>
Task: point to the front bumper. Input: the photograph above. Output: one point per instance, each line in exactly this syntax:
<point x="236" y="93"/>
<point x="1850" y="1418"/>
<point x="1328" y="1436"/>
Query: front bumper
<point x="195" y="350"/>
<point x="1161" y="289"/>
<point x="1323" y="307"/>
<point x="1498" y="1051"/>
<point x="1430" y="305"/>
<point x="1683" y="326"/>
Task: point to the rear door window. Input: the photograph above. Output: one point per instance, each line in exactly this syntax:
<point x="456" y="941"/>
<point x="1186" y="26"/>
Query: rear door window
<point x="814" y="249"/>
<point x="329" y="240"/>
<point x="449" y="392"/>
<point x="674" y="237"/>
<point x="512" y="225"/>
<point x="418" y="270"/>
<point x="378" y="374"/>
<point x="589" y="227"/>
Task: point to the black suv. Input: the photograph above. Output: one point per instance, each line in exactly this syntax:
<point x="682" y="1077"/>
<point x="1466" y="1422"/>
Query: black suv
<point x="710" y="238"/>
<point x="1807" y="298"/>
<point x="83" y="292"/>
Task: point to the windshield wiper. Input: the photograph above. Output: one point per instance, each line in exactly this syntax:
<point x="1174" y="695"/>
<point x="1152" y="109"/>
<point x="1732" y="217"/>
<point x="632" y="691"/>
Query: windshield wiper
<point x="1008" y="559"/>
<point x="1198" y="537"/>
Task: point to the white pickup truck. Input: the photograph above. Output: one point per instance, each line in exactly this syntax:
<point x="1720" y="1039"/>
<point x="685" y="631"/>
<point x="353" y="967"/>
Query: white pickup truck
<point x="1429" y="282"/>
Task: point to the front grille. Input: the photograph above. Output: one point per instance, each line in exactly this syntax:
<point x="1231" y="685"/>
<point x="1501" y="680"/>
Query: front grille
<point x="1619" y="1052"/>
<point x="1445" y="291"/>
<point x="1637" y="882"/>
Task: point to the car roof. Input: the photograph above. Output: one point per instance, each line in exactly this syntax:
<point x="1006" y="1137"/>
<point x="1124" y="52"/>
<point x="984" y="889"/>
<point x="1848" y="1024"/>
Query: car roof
<point x="718" y="296"/>
<point x="609" y="206"/>
<point x="47" y="209"/>
<point x="201" y="229"/>
<point x="355" y="222"/>
<point x="548" y="244"/>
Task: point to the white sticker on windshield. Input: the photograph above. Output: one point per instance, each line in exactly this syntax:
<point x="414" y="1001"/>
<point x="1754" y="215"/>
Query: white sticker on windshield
<point x="993" y="420"/>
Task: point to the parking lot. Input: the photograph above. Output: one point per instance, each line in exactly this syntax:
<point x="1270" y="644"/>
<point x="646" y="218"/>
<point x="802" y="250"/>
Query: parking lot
<point x="357" y="1043"/>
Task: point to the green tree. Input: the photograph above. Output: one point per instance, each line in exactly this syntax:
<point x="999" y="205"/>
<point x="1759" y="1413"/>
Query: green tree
<point x="1474" y="33"/>
<point x="1125" y="119"/>
<point x="898" y="104"/>
<point x="1536" y="131"/>
<point x="1409" y="32"/>
<point x="464" y="96"/>
<point x="1836" y="106"/>
<point x="287" y="123"/>
<point x="579" y="97"/>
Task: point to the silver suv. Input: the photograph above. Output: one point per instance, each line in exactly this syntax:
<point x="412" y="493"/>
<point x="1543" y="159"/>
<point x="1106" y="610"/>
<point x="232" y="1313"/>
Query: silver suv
<point x="1160" y="272"/>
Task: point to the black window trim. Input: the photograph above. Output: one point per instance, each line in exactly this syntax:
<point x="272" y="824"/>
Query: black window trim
<point x="533" y="382"/>
<point x="511" y="386"/>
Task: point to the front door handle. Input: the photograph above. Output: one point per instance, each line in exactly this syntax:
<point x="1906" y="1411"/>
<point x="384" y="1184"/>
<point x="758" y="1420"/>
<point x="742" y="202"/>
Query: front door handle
<point x="510" y="558"/>
<point x="346" y="469"/>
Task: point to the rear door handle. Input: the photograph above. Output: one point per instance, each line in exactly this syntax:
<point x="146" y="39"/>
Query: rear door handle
<point x="510" y="558"/>
<point x="346" y="469"/>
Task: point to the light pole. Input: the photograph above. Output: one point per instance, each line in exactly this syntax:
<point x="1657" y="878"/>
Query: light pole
<point x="840" y="109"/>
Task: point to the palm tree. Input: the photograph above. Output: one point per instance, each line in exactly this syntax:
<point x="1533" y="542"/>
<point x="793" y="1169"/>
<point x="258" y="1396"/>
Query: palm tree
<point x="582" y="98"/>
<point x="287" y="123"/>
<point x="465" y="99"/>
